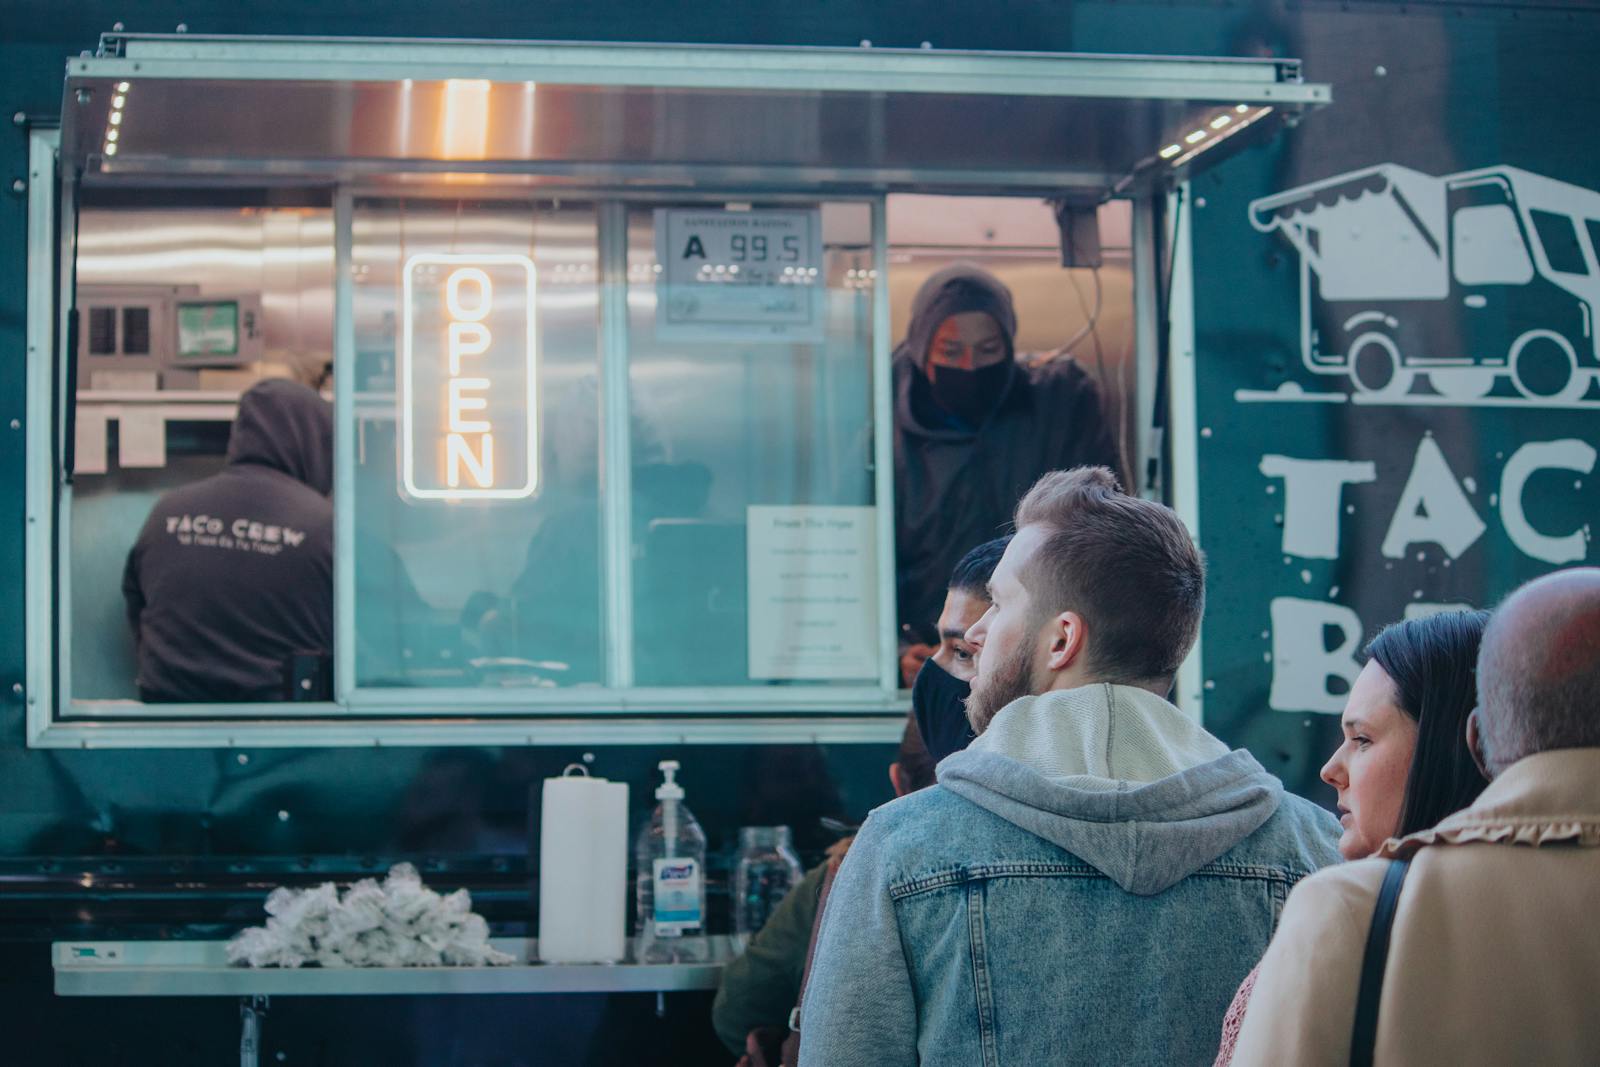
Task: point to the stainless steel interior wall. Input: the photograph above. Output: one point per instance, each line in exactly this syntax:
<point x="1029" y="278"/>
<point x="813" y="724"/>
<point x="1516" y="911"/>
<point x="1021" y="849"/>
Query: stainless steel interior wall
<point x="284" y="254"/>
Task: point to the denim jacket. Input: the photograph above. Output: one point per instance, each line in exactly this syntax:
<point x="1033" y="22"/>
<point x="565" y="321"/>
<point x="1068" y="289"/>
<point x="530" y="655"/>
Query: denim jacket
<point x="1088" y="884"/>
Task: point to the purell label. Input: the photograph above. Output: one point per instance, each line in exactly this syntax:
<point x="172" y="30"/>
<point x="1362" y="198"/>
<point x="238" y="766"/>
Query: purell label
<point x="677" y="896"/>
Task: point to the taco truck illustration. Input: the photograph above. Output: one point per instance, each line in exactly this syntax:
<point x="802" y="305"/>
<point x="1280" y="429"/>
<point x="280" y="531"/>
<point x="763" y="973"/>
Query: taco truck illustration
<point x="1470" y="279"/>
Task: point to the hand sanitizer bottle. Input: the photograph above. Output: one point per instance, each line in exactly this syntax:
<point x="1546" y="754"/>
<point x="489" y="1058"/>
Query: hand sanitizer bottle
<point x="670" y="879"/>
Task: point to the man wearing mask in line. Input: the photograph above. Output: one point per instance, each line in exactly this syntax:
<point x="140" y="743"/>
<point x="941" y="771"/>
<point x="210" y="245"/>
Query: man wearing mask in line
<point x="939" y="695"/>
<point x="1091" y="877"/>
<point x="751" y="1012"/>
<point x="231" y="578"/>
<point x="974" y="428"/>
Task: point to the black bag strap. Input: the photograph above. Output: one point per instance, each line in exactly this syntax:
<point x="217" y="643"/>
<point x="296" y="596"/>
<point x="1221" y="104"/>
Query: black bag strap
<point x="1373" y="963"/>
<point x="811" y="946"/>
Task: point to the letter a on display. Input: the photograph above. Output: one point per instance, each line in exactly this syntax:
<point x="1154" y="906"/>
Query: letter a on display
<point x="1433" y="509"/>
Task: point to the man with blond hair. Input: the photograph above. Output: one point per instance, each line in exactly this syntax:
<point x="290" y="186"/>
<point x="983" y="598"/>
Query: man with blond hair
<point x="1094" y="875"/>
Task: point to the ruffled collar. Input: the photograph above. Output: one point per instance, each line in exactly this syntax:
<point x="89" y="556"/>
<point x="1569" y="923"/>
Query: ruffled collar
<point x="1545" y="799"/>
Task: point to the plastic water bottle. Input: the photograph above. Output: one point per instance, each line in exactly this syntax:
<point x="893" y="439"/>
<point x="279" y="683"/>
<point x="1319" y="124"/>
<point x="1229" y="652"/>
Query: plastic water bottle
<point x="670" y="881"/>
<point x="767" y="870"/>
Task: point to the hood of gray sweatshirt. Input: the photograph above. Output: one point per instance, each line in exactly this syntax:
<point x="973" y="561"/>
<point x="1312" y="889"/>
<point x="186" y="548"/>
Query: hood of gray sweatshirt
<point x="1118" y="777"/>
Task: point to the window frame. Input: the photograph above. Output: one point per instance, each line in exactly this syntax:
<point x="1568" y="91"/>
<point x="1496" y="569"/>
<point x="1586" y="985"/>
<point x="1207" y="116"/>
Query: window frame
<point x="1145" y="88"/>
<point x="1539" y="219"/>
<point x="1504" y="277"/>
<point x="617" y="712"/>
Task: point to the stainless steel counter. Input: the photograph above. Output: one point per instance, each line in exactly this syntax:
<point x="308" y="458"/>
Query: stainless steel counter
<point x="201" y="969"/>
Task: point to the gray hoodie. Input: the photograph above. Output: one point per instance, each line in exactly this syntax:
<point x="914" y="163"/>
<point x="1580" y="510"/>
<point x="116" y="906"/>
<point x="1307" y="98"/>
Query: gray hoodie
<point x="1118" y="777"/>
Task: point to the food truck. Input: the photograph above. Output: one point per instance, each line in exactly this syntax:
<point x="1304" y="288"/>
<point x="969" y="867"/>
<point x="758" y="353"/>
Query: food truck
<point x="607" y="330"/>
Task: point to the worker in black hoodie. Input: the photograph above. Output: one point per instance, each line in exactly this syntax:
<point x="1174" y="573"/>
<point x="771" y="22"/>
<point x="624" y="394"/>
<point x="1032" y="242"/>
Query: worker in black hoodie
<point x="232" y="577"/>
<point x="974" y="429"/>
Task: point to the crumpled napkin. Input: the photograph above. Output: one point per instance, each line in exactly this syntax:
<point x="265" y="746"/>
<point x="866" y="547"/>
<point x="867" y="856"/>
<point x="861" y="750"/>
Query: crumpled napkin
<point x="398" y="923"/>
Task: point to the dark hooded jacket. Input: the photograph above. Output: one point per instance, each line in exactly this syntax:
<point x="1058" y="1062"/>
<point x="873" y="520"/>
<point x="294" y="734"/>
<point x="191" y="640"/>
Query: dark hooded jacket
<point x="956" y="486"/>
<point x="233" y="575"/>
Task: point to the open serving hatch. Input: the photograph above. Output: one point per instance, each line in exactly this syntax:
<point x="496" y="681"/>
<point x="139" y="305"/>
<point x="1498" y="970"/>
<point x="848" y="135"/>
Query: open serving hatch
<point x="211" y="205"/>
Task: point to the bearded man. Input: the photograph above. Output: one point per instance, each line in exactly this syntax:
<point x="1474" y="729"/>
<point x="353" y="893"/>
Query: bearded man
<point x="1095" y="873"/>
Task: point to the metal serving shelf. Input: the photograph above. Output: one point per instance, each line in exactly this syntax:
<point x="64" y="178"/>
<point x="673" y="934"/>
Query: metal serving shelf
<point x="201" y="969"/>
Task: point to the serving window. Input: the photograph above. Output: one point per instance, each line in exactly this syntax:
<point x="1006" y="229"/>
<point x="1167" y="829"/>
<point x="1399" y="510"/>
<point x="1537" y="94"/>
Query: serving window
<point x="753" y="530"/>
<point x="605" y="332"/>
<point x="183" y="301"/>
<point x="481" y="529"/>
<point x="591" y="457"/>
<point x="477" y="353"/>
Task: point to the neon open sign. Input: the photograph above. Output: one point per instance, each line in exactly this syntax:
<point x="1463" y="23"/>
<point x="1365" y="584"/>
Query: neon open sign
<point x="468" y="377"/>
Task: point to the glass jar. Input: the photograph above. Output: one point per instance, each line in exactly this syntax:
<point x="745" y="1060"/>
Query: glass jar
<point x="768" y="868"/>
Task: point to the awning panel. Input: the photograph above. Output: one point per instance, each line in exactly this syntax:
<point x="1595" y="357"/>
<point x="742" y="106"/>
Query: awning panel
<point x="872" y="119"/>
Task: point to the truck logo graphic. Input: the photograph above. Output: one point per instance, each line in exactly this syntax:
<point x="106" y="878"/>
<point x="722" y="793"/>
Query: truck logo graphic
<point x="1472" y="289"/>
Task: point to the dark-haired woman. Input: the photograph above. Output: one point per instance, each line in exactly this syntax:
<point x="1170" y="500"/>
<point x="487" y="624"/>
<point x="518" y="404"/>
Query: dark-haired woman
<point x="1404" y="763"/>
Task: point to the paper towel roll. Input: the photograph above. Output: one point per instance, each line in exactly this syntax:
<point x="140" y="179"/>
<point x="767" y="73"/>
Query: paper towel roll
<point x="583" y="870"/>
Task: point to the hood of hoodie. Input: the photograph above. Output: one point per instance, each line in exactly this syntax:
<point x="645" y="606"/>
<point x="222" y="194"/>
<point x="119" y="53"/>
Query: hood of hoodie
<point x="288" y="427"/>
<point x="960" y="287"/>
<point x="1118" y="777"/>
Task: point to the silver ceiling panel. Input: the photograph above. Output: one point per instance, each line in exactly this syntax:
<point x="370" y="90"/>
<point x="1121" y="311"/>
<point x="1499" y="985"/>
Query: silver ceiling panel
<point x="246" y="109"/>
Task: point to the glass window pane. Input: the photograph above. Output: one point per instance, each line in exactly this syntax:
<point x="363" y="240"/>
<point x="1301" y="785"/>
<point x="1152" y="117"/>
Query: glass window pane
<point x="196" y="577"/>
<point x="1488" y="247"/>
<point x="477" y="549"/>
<point x="1559" y="237"/>
<point x="136" y="331"/>
<point x="750" y="347"/>
<point x="103" y="331"/>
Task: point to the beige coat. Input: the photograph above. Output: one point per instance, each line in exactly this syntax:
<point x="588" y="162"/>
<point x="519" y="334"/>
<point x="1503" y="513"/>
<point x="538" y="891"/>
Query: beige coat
<point x="1495" y="957"/>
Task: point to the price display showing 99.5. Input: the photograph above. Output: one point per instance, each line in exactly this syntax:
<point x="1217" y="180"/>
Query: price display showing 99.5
<point x="739" y="248"/>
<point x="760" y="248"/>
<point x="747" y="275"/>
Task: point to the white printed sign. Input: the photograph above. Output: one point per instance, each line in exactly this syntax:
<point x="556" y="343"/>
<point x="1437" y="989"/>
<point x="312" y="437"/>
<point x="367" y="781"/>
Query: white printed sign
<point x="813" y="592"/>
<point x="1390" y="255"/>
<point x="1470" y="290"/>
<point x="739" y="275"/>
<point x="1316" y="643"/>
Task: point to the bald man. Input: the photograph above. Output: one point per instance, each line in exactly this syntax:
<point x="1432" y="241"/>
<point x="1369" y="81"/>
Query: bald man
<point x="1494" y="955"/>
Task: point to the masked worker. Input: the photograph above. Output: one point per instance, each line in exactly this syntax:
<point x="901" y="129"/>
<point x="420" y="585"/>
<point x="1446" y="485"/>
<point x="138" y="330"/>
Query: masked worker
<point x="974" y="428"/>
<point x="231" y="579"/>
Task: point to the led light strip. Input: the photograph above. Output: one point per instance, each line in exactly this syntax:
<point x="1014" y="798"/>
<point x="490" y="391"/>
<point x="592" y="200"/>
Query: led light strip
<point x="1213" y="132"/>
<point x="114" y="121"/>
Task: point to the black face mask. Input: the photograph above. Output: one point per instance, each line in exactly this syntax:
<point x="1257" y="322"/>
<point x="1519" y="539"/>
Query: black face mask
<point x="970" y="395"/>
<point x="939" y="703"/>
